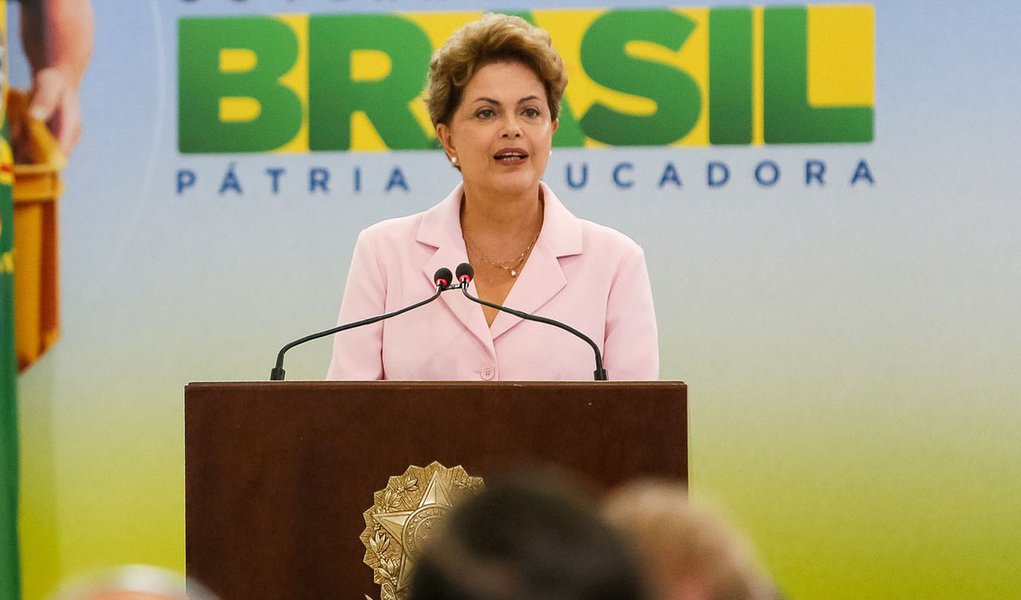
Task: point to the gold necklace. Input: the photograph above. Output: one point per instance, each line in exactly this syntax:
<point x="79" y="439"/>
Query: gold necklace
<point x="512" y="266"/>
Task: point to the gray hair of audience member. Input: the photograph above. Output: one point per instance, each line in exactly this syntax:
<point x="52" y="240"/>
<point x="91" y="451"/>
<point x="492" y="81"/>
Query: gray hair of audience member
<point x="133" y="582"/>
<point x="689" y="551"/>
<point x="519" y="540"/>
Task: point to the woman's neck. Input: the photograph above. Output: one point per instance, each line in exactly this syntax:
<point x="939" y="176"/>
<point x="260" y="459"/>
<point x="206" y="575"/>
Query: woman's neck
<point x="501" y="218"/>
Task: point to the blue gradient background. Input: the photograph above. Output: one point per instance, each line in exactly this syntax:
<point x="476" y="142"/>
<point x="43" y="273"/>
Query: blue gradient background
<point x="851" y="352"/>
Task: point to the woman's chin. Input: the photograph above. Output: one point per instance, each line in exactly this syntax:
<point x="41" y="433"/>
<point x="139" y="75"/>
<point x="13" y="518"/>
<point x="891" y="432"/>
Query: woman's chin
<point x="513" y="182"/>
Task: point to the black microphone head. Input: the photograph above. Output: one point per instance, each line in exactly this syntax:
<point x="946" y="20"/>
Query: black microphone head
<point x="465" y="273"/>
<point x="442" y="277"/>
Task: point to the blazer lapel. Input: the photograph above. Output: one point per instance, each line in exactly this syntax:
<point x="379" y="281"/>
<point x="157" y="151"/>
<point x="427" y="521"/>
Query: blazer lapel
<point x="441" y="229"/>
<point x="542" y="276"/>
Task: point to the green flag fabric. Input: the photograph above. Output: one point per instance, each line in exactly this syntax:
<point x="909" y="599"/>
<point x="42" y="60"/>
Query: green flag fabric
<point x="10" y="574"/>
<point x="10" y="580"/>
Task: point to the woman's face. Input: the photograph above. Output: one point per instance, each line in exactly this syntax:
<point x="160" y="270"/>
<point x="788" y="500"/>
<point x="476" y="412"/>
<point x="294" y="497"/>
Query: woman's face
<point x="501" y="133"/>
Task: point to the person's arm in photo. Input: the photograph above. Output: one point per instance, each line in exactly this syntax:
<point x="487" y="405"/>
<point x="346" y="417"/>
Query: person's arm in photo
<point x="58" y="37"/>
<point x="631" y="346"/>
<point x="358" y="353"/>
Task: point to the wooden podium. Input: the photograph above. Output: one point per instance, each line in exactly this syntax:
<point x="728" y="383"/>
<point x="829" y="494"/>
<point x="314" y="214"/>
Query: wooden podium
<point x="279" y="474"/>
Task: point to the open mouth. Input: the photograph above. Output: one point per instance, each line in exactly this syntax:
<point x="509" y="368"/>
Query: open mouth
<point x="510" y="156"/>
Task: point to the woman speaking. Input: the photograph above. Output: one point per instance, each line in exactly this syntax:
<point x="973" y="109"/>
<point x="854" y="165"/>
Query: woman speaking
<point x="494" y="91"/>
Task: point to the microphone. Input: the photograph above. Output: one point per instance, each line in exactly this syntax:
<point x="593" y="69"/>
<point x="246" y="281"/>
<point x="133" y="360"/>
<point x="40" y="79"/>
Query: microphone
<point x="441" y="279"/>
<point x="465" y="274"/>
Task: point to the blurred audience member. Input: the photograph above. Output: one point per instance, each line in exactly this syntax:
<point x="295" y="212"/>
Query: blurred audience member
<point x="689" y="552"/>
<point x="134" y="582"/>
<point x="526" y="541"/>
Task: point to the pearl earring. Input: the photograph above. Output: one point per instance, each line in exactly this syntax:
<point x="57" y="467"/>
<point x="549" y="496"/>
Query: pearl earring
<point x="453" y="160"/>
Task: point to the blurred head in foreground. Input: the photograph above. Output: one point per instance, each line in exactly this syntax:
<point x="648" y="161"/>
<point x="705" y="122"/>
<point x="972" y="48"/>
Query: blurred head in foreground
<point x="689" y="552"/>
<point x="133" y="582"/>
<point x="526" y="541"/>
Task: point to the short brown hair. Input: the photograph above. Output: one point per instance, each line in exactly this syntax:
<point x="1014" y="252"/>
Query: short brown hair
<point x="492" y="38"/>
<point x="680" y="542"/>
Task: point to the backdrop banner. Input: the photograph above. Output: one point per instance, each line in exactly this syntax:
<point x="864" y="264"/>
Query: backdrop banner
<point x="825" y="193"/>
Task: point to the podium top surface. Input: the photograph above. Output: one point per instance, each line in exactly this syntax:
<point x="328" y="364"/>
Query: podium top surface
<point x="317" y="385"/>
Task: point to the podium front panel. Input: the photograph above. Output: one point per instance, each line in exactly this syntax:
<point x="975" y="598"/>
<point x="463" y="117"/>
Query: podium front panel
<point x="279" y="474"/>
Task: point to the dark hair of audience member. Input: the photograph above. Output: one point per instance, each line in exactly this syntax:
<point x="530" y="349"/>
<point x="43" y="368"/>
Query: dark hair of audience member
<point x="520" y="540"/>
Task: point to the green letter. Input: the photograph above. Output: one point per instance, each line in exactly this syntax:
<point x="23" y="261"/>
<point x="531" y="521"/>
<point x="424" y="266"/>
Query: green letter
<point x="333" y="96"/>
<point x="675" y="93"/>
<point x="201" y="84"/>
<point x="730" y="76"/>
<point x="788" y="119"/>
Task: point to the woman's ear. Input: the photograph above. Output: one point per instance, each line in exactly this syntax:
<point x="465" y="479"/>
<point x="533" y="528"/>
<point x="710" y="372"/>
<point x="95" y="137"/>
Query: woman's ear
<point x="443" y="135"/>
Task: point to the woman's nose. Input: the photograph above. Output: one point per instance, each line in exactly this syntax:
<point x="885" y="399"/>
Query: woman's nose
<point x="511" y="129"/>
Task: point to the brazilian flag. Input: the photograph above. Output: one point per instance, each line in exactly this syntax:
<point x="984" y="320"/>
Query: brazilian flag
<point x="10" y="581"/>
<point x="10" y="575"/>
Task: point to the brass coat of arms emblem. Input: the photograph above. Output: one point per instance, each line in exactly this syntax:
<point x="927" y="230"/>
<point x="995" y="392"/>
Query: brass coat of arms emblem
<point x="403" y="516"/>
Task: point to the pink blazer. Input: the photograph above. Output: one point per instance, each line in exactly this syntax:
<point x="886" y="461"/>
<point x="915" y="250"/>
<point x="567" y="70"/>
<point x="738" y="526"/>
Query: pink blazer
<point x="591" y="277"/>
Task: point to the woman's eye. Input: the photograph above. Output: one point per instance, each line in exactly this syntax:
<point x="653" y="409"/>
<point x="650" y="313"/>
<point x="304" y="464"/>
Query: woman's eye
<point x="485" y="113"/>
<point x="531" y="112"/>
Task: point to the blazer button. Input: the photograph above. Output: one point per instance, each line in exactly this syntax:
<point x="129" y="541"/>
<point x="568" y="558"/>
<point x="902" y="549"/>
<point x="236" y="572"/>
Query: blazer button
<point x="488" y="373"/>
